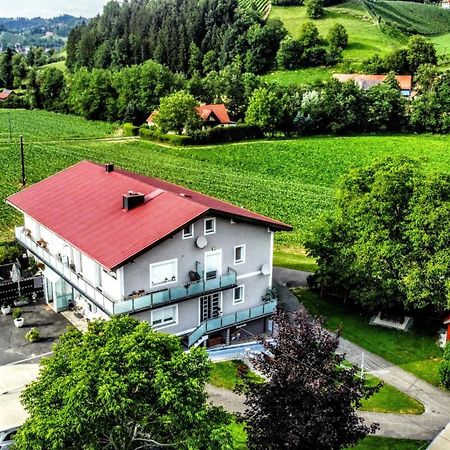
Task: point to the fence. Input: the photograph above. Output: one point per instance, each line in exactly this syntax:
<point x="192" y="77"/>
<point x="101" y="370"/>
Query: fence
<point x="10" y="290"/>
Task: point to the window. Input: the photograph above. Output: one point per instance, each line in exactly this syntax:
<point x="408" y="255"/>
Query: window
<point x="163" y="272"/>
<point x="188" y="231"/>
<point x="98" y="275"/>
<point x="210" y="226"/>
<point x="239" y="254"/>
<point x="238" y="295"/>
<point x="165" y="316"/>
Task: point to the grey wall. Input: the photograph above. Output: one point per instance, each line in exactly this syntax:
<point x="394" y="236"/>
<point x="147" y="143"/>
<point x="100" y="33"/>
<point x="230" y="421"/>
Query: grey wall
<point x="258" y="252"/>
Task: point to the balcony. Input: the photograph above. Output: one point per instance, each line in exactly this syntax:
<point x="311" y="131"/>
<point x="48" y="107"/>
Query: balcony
<point x="228" y="320"/>
<point x="140" y="301"/>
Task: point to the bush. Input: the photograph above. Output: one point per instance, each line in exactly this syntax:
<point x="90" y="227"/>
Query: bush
<point x="33" y="335"/>
<point x="130" y="130"/>
<point x="444" y="368"/>
<point x="173" y="139"/>
<point x="226" y="134"/>
<point x="17" y="313"/>
<point x="9" y="252"/>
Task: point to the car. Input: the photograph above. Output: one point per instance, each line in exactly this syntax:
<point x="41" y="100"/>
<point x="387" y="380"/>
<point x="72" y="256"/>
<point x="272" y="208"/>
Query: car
<point x="7" y="437"/>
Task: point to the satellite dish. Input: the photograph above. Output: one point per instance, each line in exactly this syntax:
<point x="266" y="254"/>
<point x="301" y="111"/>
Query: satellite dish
<point x="265" y="269"/>
<point x="201" y="242"/>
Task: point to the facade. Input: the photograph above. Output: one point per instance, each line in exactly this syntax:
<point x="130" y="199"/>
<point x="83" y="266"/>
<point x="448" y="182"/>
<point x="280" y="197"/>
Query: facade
<point x="365" y="82"/>
<point x="113" y="242"/>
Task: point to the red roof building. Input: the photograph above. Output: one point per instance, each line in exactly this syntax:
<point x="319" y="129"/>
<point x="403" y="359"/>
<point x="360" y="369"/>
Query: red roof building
<point x="366" y="82"/>
<point x="84" y="205"/>
<point x="5" y="94"/>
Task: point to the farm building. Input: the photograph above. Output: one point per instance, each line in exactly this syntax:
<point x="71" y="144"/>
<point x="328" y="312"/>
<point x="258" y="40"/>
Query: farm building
<point x="6" y="94"/>
<point x="366" y="82"/>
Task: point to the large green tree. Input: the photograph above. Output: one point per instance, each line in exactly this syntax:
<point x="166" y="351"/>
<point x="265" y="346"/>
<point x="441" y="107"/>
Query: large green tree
<point x="122" y="386"/>
<point x="386" y="242"/>
<point x="265" y="109"/>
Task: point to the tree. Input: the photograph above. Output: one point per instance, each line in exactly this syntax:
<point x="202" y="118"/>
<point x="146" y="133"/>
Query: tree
<point x="309" y="36"/>
<point x="177" y="112"/>
<point x="420" y="51"/>
<point x="426" y="78"/>
<point x="52" y="86"/>
<point x="6" y="68"/>
<point x="19" y="69"/>
<point x="118" y="386"/>
<point x="444" y="368"/>
<point x="386" y="242"/>
<point x="314" y="8"/>
<point x="311" y="396"/>
<point x="337" y="36"/>
<point x="289" y="55"/>
<point x="264" y="110"/>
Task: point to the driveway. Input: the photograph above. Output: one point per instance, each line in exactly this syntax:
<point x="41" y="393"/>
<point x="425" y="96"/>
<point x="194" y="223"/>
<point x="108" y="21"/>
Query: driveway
<point x="15" y="348"/>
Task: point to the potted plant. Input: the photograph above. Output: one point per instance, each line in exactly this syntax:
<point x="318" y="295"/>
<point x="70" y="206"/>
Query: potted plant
<point x="17" y="316"/>
<point x="22" y="300"/>
<point x="6" y="309"/>
<point x="33" y="335"/>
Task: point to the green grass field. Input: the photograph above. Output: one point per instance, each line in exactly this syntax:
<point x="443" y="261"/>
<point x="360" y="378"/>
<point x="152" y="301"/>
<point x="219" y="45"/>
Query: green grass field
<point x="225" y="374"/>
<point x="414" y="351"/>
<point x="294" y="258"/>
<point x="365" y="37"/>
<point x="299" y="76"/>
<point x="290" y="180"/>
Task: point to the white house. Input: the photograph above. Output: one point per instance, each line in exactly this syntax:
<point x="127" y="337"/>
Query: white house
<point x="115" y="242"/>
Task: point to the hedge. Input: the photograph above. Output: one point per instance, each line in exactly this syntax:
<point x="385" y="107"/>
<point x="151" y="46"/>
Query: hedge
<point x="130" y="130"/>
<point x="215" y="135"/>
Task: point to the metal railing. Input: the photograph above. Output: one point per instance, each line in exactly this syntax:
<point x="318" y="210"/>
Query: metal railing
<point x="228" y="320"/>
<point x="128" y="305"/>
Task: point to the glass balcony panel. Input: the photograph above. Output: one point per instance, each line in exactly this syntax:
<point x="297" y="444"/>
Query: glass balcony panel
<point x="178" y="292"/>
<point x="160" y="297"/>
<point x="257" y="311"/>
<point x="143" y="302"/>
<point x="213" y="324"/>
<point x="228" y="280"/>
<point x="242" y="315"/>
<point x="228" y="319"/>
<point x="122" y="307"/>
<point x="196" y="288"/>
<point x="213" y="283"/>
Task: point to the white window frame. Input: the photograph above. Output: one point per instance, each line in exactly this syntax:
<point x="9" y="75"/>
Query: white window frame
<point x="99" y="276"/>
<point x="190" y="235"/>
<point x="243" y="254"/>
<point x="242" y="299"/>
<point x="206" y="232"/>
<point x="160" y="263"/>
<point x="162" y="324"/>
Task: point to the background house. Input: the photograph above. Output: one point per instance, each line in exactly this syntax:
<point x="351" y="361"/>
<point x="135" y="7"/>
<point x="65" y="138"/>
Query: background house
<point x="115" y="242"/>
<point x="6" y="94"/>
<point x="366" y="82"/>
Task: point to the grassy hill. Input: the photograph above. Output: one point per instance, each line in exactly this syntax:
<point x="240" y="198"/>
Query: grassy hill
<point x="365" y="37"/>
<point x="291" y="180"/>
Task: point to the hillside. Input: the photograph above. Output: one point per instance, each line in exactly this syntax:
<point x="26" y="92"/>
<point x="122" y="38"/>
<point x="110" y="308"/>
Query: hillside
<point x="291" y="180"/>
<point x="411" y="17"/>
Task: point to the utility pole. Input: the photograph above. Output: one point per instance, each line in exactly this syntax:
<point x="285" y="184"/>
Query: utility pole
<point x="22" y="158"/>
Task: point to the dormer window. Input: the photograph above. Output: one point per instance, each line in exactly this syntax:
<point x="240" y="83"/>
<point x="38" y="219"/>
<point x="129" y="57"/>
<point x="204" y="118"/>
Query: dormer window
<point x="210" y="226"/>
<point x="188" y="231"/>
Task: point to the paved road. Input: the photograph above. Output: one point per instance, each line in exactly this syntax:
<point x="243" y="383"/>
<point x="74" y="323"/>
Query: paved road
<point x="436" y="401"/>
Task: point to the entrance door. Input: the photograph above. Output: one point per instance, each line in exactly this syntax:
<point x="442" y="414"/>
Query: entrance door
<point x="209" y="307"/>
<point x="213" y="264"/>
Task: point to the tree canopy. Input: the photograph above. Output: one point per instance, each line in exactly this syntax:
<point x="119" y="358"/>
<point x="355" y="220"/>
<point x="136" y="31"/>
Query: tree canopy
<point x="311" y="396"/>
<point x="118" y="386"/>
<point x="386" y="242"/>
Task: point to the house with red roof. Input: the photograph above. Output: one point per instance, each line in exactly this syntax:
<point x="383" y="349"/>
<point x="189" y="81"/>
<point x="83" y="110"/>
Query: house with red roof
<point x="6" y="94"/>
<point x="116" y="242"/>
<point x="211" y="115"/>
<point x="366" y="82"/>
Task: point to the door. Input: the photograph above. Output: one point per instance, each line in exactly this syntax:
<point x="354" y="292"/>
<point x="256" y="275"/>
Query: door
<point x="209" y="307"/>
<point x="213" y="264"/>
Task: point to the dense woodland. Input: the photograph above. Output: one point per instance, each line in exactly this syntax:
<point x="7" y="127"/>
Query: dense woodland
<point x="185" y="35"/>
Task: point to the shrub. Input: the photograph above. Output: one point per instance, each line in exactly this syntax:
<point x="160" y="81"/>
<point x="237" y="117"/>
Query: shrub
<point x="33" y="335"/>
<point x="155" y="135"/>
<point x="444" y="368"/>
<point x="130" y="130"/>
<point x="17" y="313"/>
<point x="226" y="134"/>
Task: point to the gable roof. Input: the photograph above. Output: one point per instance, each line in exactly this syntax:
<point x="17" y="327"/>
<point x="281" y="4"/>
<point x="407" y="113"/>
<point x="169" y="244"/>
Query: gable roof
<point x="83" y="205"/>
<point x="5" y="94"/>
<point x="368" y="81"/>
<point x="218" y="110"/>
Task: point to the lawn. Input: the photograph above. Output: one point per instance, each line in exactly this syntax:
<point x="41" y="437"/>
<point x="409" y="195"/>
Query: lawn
<point x="388" y="399"/>
<point x="293" y="258"/>
<point x="414" y="351"/>
<point x="290" y="180"/>
<point x="299" y="76"/>
<point x="365" y="38"/>
<point x="369" y="443"/>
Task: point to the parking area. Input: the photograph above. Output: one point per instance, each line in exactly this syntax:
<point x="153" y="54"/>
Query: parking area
<point x="13" y="345"/>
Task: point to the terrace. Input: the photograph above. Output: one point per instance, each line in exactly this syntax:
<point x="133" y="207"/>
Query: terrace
<point x="137" y="302"/>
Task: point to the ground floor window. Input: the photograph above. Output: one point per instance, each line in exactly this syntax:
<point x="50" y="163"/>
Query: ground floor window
<point x="164" y="316"/>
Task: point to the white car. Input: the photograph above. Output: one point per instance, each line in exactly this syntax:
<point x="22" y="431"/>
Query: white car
<point x="7" y="438"/>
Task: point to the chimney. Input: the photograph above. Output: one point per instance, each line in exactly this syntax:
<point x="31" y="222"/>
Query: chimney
<point x="132" y="199"/>
<point x="109" y="167"/>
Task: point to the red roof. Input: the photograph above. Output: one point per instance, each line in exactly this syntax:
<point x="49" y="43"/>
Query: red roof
<point x="151" y="117"/>
<point x="367" y="81"/>
<point x="83" y="205"/>
<point x="218" y="110"/>
<point x="5" y="94"/>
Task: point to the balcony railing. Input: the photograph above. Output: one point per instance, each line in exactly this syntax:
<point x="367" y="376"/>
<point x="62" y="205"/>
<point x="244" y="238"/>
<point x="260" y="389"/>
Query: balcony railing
<point x="139" y="301"/>
<point x="228" y="320"/>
